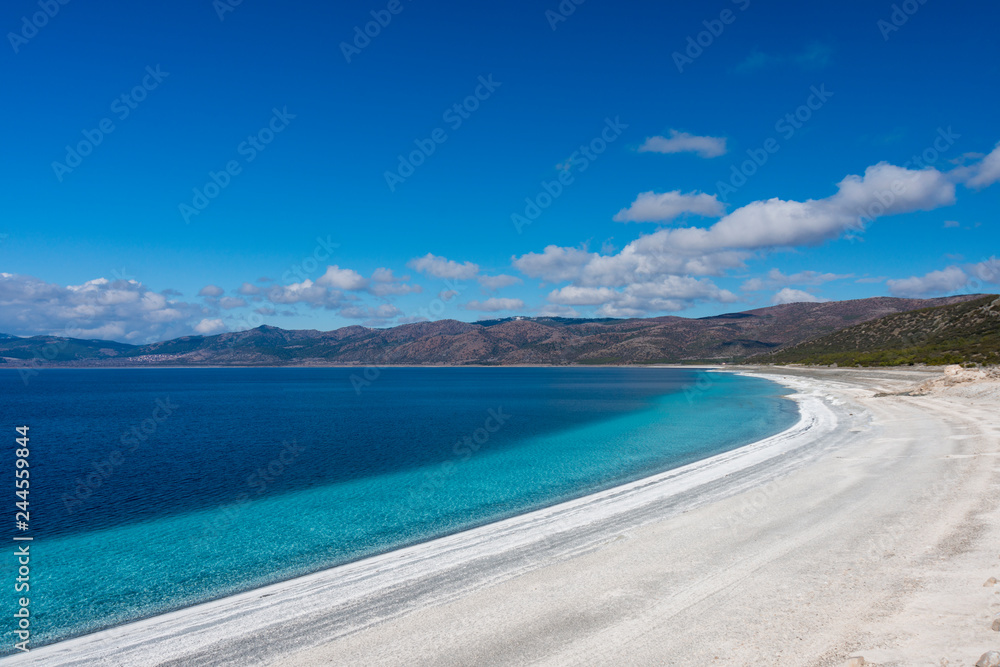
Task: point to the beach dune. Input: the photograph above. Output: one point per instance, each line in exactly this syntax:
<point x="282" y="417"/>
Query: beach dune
<point x="867" y="530"/>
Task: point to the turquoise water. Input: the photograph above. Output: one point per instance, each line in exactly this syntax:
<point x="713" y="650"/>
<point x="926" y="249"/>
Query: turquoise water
<point x="236" y="478"/>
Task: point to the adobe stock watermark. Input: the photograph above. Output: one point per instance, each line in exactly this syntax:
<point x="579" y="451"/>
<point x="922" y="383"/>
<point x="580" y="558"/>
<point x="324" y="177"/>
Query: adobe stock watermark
<point x="562" y="12"/>
<point x="463" y="450"/>
<point x="88" y="483"/>
<point x="121" y="107"/>
<point x="257" y="483"/>
<point x="363" y="36"/>
<point x="309" y="264"/>
<point x="433" y="310"/>
<point x="50" y="351"/>
<point x="714" y="28"/>
<point x="786" y="127"/>
<point x="883" y="199"/>
<point x="223" y="7"/>
<point x="577" y="163"/>
<point x="248" y="149"/>
<point x="899" y="16"/>
<point x="454" y="116"/>
<point x="31" y="25"/>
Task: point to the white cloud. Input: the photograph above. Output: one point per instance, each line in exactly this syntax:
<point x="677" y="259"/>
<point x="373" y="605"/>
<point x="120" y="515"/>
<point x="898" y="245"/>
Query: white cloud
<point x="935" y="282"/>
<point x="248" y="289"/>
<point x="682" y="142"/>
<point x="342" y="279"/>
<point x="124" y="310"/>
<point x="789" y="295"/>
<point x="987" y="171"/>
<point x="305" y="292"/>
<point x="439" y="267"/>
<point x="555" y="264"/>
<point x="763" y="225"/>
<point x="498" y="282"/>
<point x="447" y="294"/>
<point x="573" y="295"/>
<point x="558" y="311"/>
<point x="385" y="283"/>
<point x="208" y="327"/>
<point x="495" y="304"/>
<point x="653" y="207"/>
<point x="988" y="270"/>
<point x="211" y="290"/>
<point x="667" y="294"/>
<point x="384" y="275"/>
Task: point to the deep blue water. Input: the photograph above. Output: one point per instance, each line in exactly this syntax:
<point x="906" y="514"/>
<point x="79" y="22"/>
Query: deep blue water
<point x="156" y="489"/>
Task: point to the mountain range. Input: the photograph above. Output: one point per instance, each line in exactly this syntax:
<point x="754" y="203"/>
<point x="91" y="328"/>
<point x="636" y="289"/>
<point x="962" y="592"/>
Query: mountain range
<point x="508" y="341"/>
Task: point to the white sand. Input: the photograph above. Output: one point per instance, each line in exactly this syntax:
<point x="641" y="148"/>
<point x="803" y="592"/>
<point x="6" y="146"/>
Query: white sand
<point x="867" y="529"/>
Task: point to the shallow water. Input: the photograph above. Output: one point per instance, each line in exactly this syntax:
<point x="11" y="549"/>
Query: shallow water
<point x="156" y="489"/>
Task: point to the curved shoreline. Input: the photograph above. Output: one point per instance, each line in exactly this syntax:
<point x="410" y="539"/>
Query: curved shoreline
<point x="355" y="594"/>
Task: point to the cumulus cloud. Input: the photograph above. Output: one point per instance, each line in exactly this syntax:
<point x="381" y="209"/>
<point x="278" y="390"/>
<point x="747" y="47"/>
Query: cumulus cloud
<point x="207" y="327"/>
<point x="682" y="142"/>
<point x="789" y="295"/>
<point x="653" y="207"/>
<point x="248" y="289"/>
<point x="440" y="267"/>
<point x="306" y="292"/>
<point x="498" y="282"/>
<point x="384" y="275"/>
<point x="934" y="283"/>
<point x="667" y="294"/>
<point x="211" y="290"/>
<point x="574" y="295"/>
<point x="558" y="311"/>
<point x="123" y="310"/>
<point x="385" y="283"/>
<point x="342" y="279"/>
<point x="759" y="226"/>
<point x="986" y="172"/>
<point x="988" y="270"/>
<point x="495" y="304"/>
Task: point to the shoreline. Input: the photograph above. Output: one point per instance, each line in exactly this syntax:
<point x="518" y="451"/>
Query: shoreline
<point x="516" y="532"/>
<point x="871" y="536"/>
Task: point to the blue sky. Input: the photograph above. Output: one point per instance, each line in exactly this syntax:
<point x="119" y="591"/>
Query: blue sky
<point x="643" y="120"/>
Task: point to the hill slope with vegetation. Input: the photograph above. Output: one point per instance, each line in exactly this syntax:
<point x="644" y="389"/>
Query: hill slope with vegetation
<point x="958" y="333"/>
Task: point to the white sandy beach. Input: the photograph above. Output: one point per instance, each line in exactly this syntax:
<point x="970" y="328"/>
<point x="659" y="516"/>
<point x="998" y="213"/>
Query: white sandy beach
<point x="868" y="529"/>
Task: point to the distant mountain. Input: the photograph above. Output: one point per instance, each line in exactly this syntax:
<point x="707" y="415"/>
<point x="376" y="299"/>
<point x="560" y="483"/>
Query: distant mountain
<point x="56" y="349"/>
<point x="507" y="341"/>
<point x="951" y="334"/>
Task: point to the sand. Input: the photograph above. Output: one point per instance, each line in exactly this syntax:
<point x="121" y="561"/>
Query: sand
<point x="868" y="529"/>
